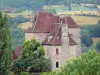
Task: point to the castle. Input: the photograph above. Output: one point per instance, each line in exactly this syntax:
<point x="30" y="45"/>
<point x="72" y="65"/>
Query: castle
<point x="60" y="37"/>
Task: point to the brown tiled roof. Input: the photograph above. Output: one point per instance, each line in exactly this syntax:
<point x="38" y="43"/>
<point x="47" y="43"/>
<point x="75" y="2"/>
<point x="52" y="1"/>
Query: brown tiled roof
<point x="17" y="53"/>
<point x="29" y="30"/>
<point x="54" y="38"/>
<point x="44" y="21"/>
<point x="71" y="41"/>
<point x="70" y="22"/>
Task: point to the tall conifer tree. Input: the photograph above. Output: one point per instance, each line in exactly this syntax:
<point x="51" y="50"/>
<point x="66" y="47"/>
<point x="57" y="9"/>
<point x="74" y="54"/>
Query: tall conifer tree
<point x="5" y="46"/>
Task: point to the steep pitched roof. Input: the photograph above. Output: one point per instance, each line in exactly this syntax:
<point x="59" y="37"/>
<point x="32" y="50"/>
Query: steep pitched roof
<point x="29" y="30"/>
<point x="70" y="22"/>
<point x="44" y="20"/>
<point x="71" y="41"/>
<point x="54" y="38"/>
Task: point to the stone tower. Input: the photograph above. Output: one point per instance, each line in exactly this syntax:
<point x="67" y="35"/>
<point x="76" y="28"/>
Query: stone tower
<point x="60" y="37"/>
<point x="65" y="42"/>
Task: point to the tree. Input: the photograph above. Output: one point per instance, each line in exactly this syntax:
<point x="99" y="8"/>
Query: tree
<point x="53" y="11"/>
<point x="33" y="57"/>
<point x="5" y="46"/>
<point x="86" y="64"/>
<point x="32" y="48"/>
<point x="98" y="46"/>
<point x="86" y="38"/>
<point x="68" y="3"/>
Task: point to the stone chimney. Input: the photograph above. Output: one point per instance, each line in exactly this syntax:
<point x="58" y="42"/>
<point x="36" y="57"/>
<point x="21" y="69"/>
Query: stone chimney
<point x="65" y="42"/>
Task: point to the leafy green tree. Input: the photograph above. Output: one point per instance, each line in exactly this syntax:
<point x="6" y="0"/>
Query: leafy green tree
<point x="68" y="3"/>
<point x="5" y="46"/>
<point x="32" y="48"/>
<point x="86" y="38"/>
<point x="86" y="64"/>
<point x="53" y="11"/>
<point x="93" y="29"/>
<point x="98" y="46"/>
<point x="33" y="57"/>
<point x="38" y="64"/>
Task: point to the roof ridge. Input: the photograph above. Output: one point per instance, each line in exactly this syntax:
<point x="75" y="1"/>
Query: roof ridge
<point x="35" y="22"/>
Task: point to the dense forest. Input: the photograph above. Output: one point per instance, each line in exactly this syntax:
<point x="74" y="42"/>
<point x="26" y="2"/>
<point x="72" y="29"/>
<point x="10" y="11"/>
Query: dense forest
<point x="39" y="3"/>
<point x="17" y="34"/>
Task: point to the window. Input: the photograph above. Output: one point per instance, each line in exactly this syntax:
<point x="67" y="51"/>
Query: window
<point x="57" y="51"/>
<point x="57" y="64"/>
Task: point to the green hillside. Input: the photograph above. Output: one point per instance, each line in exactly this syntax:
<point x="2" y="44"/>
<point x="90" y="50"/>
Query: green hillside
<point x="39" y="3"/>
<point x="22" y="3"/>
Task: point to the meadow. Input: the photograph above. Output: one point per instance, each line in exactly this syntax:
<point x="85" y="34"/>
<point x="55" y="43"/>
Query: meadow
<point x="82" y="20"/>
<point x="62" y="10"/>
<point x="25" y="25"/>
<point x="26" y="14"/>
<point x="95" y="40"/>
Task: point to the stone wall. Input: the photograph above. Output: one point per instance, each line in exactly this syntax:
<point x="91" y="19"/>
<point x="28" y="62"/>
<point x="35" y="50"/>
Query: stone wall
<point x="50" y="52"/>
<point x="62" y="57"/>
<point x="28" y="36"/>
<point x="38" y="36"/>
<point x="72" y="51"/>
<point x="76" y="37"/>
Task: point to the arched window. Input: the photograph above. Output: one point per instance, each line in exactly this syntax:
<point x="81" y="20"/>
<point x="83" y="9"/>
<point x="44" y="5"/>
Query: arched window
<point x="57" y="51"/>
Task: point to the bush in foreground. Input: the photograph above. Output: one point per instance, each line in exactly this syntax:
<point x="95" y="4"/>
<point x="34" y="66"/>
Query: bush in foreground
<point x="86" y="64"/>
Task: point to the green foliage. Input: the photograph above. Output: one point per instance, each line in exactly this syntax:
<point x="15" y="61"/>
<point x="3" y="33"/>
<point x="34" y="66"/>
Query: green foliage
<point x="24" y="73"/>
<point x="31" y="4"/>
<point x="68" y="3"/>
<point x="17" y="33"/>
<point x="38" y="64"/>
<point x="5" y="46"/>
<point x="18" y="66"/>
<point x="53" y="11"/>
<point x="86" y="38"/>
<point x="84" y="48"/>
<point x="93" y="29"/>
<point x="98" y="46"/>
<point x="33" y="57"/>
<point x="32" y="48"/>
<point x="86" y="64"/>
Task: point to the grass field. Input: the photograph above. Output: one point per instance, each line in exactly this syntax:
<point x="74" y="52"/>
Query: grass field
<point x="62" y="7"/>
<point x="79" y="12"/>
<point x="57" y="7"/>
<point x="25" y="25"/>
<point x="85" y="20"/>
<point x="81" y="20"/>
<point x="26" y="14"/>
<point x="95" y="40"/>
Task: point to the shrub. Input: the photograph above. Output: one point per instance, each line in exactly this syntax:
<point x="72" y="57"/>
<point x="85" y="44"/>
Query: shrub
<point x="24" y="73"/>
<point x="98" y="46"/>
